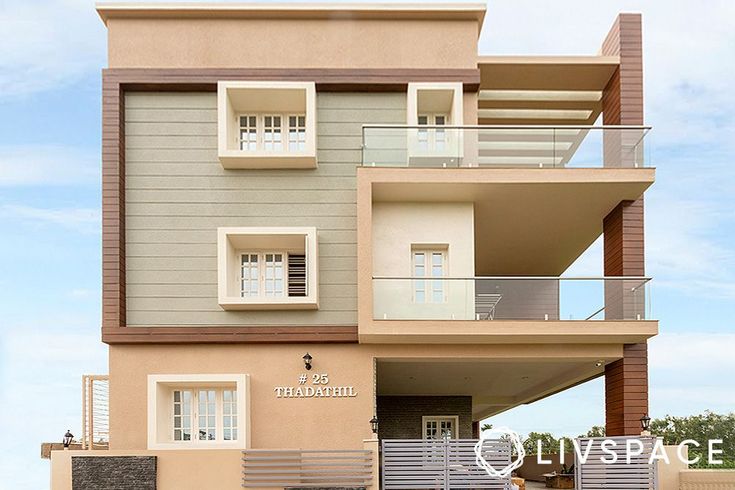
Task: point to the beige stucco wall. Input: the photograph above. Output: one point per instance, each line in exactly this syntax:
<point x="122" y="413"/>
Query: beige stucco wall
<point x="177" y="470"/>
<point x="398" y="226"/>
<point x="340" y="423"/>
<point x="291" y="43"/>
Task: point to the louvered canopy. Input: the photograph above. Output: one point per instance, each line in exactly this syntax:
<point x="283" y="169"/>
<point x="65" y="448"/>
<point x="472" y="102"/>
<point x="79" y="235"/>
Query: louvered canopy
<point x="540" y="91"/>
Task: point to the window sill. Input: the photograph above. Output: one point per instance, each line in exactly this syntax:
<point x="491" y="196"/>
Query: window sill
<point x="201" y="446"/>
<point x="234" y="159"/>
<point x="299" y="303"/>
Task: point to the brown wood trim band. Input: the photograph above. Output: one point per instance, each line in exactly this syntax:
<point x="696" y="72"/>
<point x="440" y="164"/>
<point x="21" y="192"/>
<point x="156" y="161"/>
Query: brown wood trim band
<point x="227" y="335"/>
<point x="327" y="80"/>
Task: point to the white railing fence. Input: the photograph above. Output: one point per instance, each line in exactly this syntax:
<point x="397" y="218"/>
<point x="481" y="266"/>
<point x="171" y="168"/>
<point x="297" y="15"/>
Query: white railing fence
<point x="442" y="464"/>
<point x="95" y="411"/>
<point x="637" y="474"/>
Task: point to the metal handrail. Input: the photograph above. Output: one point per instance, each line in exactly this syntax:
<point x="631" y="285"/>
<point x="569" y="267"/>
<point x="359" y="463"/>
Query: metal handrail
<point x="599" y="278"/>
<point x="503" y="126"/>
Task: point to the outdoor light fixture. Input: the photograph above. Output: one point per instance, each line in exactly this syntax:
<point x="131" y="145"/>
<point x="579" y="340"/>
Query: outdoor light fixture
<point x="599" y="363"/>
<point x="68" y="437"/>
<point x="374" y="424"/>
<point x="645" y="422"/>
<point x="307" y="361"/>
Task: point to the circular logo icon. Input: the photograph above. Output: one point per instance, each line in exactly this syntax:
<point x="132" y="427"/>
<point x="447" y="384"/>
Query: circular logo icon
<point x="496" y="435"/>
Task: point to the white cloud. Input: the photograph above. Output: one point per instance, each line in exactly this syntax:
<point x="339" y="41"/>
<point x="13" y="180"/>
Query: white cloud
<point x="48" y="165"/>
<point x="682" y="351"/>
<point x="689" y="373"/>
<point x="85" y="220"/>
<point x="47" y="44"/>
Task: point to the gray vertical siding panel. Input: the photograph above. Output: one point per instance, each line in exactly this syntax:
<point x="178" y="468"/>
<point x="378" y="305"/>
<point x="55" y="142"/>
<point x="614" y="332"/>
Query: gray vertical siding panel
<point x="178" y="194"/>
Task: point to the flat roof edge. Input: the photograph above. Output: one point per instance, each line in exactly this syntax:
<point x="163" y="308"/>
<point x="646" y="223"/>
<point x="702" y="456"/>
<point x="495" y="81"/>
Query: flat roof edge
<point x="469" y="11"/>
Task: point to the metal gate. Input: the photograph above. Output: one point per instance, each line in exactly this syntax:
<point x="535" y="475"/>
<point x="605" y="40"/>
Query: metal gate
<point x="594" y="473"/>
<point x="442" y="464"/>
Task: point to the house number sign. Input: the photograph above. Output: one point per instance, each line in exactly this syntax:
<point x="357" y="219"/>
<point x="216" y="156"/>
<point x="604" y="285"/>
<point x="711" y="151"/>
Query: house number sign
<point x="314" y="386"/>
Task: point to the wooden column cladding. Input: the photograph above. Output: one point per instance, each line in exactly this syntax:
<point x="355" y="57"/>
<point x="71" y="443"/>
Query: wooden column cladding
<point x="113" y="204"/>
<point x="626" y="380"/>
<point x="626" y="391"/>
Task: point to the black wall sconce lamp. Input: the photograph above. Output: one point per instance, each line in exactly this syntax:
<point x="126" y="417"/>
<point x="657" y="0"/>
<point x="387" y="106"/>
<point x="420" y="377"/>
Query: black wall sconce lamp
<point x="374" y="424"/>
<point x="307" y="361"/>
<point x="67" y="440"/>
<point x="645" y="423"/>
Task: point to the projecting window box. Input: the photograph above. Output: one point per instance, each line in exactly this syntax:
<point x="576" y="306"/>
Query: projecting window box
<point x="261" y="268"/>
<point x="266" y="124"/>
<point x="435" y="105"/>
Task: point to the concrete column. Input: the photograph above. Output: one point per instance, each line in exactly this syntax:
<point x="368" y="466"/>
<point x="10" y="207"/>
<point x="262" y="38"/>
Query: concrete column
<point x="374" y="446"/>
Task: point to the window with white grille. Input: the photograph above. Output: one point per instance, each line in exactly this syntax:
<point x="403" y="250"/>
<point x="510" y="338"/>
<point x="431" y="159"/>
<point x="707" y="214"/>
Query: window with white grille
<point x="296" y="132"/>
<point x="272" y="133"/>
<point x="272" y="274"/>
<point x="248" y="133"/>
<point x="444" y="427"/>
<point x="204" y="414"/>
<point x="229" y="415"/>
<point x="432" y="138"/>
<point x="431" y="264"/>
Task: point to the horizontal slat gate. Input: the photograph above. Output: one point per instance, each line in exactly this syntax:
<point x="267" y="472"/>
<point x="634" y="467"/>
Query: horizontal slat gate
<point x="284" y="468"/>
<point x="438" y="464"/>
<point x="594" y="474"/>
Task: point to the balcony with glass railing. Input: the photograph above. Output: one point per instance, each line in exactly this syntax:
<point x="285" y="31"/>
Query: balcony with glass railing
<point x="511" y="298"/>
<point x="505" y="146"/>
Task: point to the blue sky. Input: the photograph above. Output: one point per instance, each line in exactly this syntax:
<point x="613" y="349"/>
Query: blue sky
<point x="50" y="60"/>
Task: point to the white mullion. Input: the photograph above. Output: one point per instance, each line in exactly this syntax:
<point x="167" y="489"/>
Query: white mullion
<point x="284" y="273"/>
<point x="219" y="433"/>
<point x="261" y="274"/>
<point x="193" y="410"/>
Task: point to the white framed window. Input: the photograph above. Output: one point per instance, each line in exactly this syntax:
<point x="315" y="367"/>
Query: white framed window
<point x="182" y="415"/>
<point x="263" y="273"/>
<point x="229" y="415"/>
<point x="248" y="132"/>
<point x="198" y="411"/>
<point x="249" y="275"/>
<point x="272" y="133"/>
<point x="430" y="263"/>
<point x="296" y="132"/>
<point x="432" y="138"/>
<point x="440" y="427"/>
<point x="266" y="132"/>
<point x="199" y="414"/>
